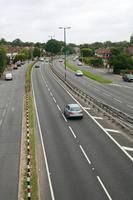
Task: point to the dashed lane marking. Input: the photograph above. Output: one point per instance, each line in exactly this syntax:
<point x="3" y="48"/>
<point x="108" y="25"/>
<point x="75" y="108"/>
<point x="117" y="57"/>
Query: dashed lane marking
<point x="64" y="117"/>
<point x="72" y="131"/>
<point x="112" y="130"/>
<point x="130" y="106"/>
<point x="1" y="122"/>
<point x="54" y="99"/>
<point x="100" y="181"/>
<point x="117" y="100"/>
<point x="128" y="148"/>
<point x="85" y="154"/>
<point x="87" y="108"/>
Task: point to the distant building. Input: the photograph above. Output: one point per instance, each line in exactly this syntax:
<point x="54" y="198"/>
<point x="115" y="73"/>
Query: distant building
<point x="129" y="50"/>
<point x="103" y="53"/>
<point x="131" y="40"/>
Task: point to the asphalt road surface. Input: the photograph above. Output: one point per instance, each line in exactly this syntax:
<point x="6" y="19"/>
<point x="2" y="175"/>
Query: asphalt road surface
<point x="11" y="104"/>
<point x="83" y="161"/>
<point x="118" y="94"/>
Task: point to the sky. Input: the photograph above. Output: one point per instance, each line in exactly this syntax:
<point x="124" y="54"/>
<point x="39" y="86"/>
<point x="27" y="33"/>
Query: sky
<point x="90" y="20"/>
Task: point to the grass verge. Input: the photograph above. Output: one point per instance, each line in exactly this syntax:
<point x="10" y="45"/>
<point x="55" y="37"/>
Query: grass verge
<point x="33" y="170"/>
<point x="97" y="78"/>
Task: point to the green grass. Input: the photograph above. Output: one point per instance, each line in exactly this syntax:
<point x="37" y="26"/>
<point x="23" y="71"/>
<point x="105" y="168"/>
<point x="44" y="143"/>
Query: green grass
<point x="95" y="77"/>
<point x="34" y="180"/>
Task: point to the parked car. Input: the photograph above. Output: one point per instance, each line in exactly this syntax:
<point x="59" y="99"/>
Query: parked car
<point x="127" y="77"/>
<point x="8" y="76"/>
<point x="73" y="111"/>
<point x="15" y="67"/>
<point x="79" y="73"/>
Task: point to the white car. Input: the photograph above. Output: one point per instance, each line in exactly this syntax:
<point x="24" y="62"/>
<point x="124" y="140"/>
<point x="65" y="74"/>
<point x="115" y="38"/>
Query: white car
<point x="79" y="64"/>
<point x="8" y="76"/>
<point x="79" y="73"/>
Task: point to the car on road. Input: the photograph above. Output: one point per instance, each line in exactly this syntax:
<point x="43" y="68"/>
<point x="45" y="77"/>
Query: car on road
<point x="73" y="110"/>
<point x="15" y="67"/>
<point x="127" y="77"/>
<point x="60" y="60"/>
<point x="79" y="63"/>
<point x="8" y="76"/>
<point x="37" y="65"/>
<point x="79" y="73"/>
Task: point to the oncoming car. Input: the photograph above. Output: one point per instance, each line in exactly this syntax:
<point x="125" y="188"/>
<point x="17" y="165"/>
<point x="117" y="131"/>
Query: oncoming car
<point x="73" y="111"/>
<point x="79" y="73"/>
<point x="8" y="76"/>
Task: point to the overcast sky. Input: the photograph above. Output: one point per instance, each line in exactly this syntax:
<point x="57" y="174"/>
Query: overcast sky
<point x="90" y="20"/>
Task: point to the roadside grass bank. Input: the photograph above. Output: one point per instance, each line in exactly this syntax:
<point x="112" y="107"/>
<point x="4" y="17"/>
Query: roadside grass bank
<point x="97" y="78"/>
<point x="30" y="181"/>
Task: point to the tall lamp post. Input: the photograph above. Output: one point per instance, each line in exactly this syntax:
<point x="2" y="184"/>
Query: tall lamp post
<point x="64" y="28"/>
<point x="51" y="37"/>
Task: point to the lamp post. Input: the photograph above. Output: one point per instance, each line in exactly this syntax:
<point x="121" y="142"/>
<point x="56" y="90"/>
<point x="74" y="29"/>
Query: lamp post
<point x="51" y="37"/>
<point x="64" y="28"/>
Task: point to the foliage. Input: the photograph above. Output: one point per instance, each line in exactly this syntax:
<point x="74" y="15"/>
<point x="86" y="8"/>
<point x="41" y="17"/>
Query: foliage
<point x="20" y="56"/>
<point x="53" y="46"/>
<point x="17" y="42"/>
<point x="95" y="62"/>
<point x="26" y="52"/>
<point x="2" y="59"/>
<point x="36" y="52"/>
<point x="86" y="52"/>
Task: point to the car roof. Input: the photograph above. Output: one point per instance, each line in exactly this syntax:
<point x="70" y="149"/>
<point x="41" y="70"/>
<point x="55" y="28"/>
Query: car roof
<point x="73" y="105"/>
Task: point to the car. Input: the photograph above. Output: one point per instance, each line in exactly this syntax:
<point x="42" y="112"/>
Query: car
<point x="79" y="73"/>
<point x="8" y="76"/>
<point x="37" y="65"/>
<point x="73" y="110"/>
<point x="60" y="60"/>
<point x="127" y="77"/>
<point x="79" y="64"/>
<point x="15" y="67"/>
<point x="41" y="59"/>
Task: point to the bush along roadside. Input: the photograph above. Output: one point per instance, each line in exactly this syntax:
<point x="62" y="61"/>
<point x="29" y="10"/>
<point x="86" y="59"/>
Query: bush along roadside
<point x="30" y="181"/>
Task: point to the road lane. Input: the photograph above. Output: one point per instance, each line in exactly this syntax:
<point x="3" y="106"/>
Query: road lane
<point x="108" y="162"/>
<point x="11" y="104"/>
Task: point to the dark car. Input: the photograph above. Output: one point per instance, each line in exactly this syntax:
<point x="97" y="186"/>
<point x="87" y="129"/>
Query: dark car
<point x="37" y="65"/>
<point x="73" y="111"/>
<point x="127" y="77"/>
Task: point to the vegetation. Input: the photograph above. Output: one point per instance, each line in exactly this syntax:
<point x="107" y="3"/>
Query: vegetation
<point x="2" y="60"/>
<point x="97" y="78"/>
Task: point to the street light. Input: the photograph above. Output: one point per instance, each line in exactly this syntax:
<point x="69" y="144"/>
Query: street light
<point x="64" y="28"/>
<point x="51" y="36"/>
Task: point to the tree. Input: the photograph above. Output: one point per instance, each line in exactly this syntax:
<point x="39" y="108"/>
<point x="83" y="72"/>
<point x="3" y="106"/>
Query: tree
<point x="53" y="46"/>
<point x="2" y="59"/>
<point x="17" y="42"/>
<point x="86" y="52"/>
<point x="26" y="52"/>
<point x="36" y="52"/>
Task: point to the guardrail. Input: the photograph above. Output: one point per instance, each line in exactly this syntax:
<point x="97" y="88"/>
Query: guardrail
<point x="118" y="116"/>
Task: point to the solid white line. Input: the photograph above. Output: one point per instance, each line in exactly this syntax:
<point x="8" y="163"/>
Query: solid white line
<point x="130" y="106"/>
<point x="105" y="190"/>
<point x="97" y="117"/>
<point x="58" y="107"/>
<point x="44" y="152"/>
<point x="112" y="130"/>
<point x="72" y="131"/>
<point x="127" y="148"/>
<point x="64" y="117"/>
<point x="85" y="154"/>
<point x="117" y="100"/>
<point x="54" y="99"/>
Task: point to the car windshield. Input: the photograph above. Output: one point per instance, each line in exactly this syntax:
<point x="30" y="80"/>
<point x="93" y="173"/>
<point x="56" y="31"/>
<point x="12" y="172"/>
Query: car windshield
<point x="75" y="108"/>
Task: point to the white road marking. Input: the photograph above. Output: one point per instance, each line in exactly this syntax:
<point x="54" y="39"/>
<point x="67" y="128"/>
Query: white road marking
<point x="1" y="122"/>
<point x="54" y="99"/>
<point x="72" y="131"/>
<point x="123" y="86"/>
<point x="85" y="154"/>
<point x="109" y="197"/>
<point x="44" y="152"/>
<point x="58" y="107"/>
<point x="128" y="148"/>
<point x="4" y="112"/>
<point x="117" y="100"/>
<point x="97" y="117"/>
<point x="64" y="117"/>
<point x="48" y="89"/>
<point x="106" y="94"/>
<point x="51" y="94"/>
<point x="87" y="108"/>
<point x="112" y="130"/>
<point x="129" y="106"/>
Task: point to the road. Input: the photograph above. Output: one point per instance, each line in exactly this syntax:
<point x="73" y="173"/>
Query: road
<point x="118" y="94"/>
<point x="11" y="105"/>
<point x="83" y="161"/>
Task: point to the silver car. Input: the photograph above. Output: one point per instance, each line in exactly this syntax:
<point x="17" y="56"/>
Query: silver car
<point x="73" y="111"/>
